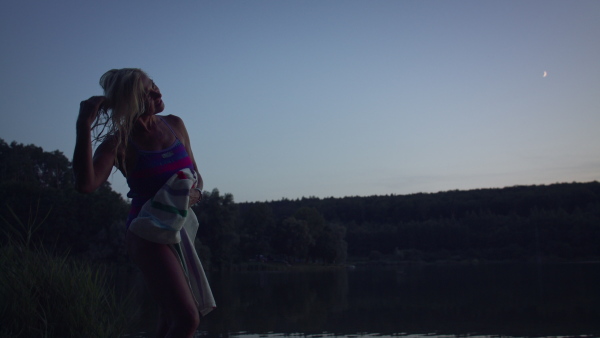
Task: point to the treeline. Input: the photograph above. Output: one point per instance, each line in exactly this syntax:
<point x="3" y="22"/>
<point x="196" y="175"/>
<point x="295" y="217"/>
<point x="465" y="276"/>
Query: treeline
<point x="39" y="204"/>
<point x="546" y="222"/>
<point x="233" y="233"/>
<point x="555" y="222"/>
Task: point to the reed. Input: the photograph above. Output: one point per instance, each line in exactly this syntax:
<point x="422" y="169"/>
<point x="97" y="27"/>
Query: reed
<point x="47" y="295"/>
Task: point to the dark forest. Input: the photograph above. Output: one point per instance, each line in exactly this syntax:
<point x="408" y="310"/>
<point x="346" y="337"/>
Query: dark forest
<point x="557" y="222"/>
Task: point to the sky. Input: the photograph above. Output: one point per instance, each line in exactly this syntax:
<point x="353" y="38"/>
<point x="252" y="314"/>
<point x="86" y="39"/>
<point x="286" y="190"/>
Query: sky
<point x="312" y="98"/>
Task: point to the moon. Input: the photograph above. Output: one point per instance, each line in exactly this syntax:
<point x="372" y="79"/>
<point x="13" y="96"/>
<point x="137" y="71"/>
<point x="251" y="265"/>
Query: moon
<point x="545" y="74"/>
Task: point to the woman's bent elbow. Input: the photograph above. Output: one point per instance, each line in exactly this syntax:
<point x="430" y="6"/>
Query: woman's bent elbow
<point x="84" y="188"/>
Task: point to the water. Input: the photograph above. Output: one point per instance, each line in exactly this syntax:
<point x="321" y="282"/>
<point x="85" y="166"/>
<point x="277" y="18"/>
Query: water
<point x="411" y="301"/>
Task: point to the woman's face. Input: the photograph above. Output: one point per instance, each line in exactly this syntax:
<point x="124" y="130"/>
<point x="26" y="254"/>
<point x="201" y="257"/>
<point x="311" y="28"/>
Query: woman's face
<point x="154" y="103"/>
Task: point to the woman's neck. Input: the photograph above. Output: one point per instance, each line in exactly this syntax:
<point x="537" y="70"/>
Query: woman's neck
<point x="146" y="124"/>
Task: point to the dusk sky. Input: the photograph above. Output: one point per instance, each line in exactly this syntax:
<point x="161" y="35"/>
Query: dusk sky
<point x="291" y="99"/>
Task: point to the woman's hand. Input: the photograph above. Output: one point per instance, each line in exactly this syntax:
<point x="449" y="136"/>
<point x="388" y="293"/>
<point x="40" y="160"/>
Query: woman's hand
<point x="195" y="196"/>
<point x="88" y="111"/>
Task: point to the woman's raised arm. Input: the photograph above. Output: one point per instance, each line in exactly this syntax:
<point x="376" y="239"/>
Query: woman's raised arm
<point x="91" y="170"/>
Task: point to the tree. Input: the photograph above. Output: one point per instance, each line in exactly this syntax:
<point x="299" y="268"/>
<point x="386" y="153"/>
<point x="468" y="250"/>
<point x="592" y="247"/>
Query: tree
<point x="218" y="231"/>
<point x="330" y="245"/>
<point x="292" y="238"/>
<point x="35" y="183"/>
<point x="257" y="226"/>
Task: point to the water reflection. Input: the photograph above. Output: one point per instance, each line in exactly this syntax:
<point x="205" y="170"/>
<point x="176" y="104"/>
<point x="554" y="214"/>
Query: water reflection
<point x="413" y="301"/>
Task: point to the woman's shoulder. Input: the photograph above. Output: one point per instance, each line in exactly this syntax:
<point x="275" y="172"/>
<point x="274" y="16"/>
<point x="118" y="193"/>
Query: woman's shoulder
<point x="178" y="126"/>
<point x="174" y="121"/>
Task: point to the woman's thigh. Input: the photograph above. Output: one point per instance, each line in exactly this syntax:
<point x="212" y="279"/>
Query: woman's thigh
<point x="163" y="275"/>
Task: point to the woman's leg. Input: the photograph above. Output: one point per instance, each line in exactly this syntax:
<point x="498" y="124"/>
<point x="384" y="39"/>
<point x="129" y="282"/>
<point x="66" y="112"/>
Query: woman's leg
<point x="163" y="325"/>
<point x="167" y="283"/>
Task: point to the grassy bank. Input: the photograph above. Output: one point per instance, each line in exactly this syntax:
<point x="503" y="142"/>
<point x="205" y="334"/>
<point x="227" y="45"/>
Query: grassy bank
<point x="49" y="296"/>
<point x="43" y="294"/>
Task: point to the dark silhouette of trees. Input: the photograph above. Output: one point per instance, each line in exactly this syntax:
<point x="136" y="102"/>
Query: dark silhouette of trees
<point x="292" y="239"/>
<point x="218" y="235"/>
<point x="521" y="223"/>
<point x="557" y="222"/>
<point x="35" y="185"/>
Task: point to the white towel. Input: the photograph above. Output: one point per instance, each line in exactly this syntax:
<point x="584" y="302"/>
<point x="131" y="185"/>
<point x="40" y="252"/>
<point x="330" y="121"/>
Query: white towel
<point x="167" y="219"/>
<point x="195" y="274"/>
<point x="162" y="217"/>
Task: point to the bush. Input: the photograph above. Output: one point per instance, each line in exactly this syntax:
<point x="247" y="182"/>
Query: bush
<point x="47" y="296"/>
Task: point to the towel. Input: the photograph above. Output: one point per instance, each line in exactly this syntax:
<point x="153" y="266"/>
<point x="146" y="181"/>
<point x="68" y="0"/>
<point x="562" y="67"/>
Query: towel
<point x="167" y="219"/>
<point x="164" y="215"/>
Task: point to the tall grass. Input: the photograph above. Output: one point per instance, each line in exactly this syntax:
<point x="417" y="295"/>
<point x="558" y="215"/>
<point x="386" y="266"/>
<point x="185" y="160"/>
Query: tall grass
<point x="48" y="295"/>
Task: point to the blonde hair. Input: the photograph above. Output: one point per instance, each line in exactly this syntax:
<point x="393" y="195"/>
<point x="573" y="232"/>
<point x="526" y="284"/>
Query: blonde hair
<point x="125" y="97"/>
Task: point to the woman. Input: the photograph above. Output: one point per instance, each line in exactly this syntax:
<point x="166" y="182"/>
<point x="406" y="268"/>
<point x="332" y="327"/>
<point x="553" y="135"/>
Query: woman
<point x="148" y="149"/>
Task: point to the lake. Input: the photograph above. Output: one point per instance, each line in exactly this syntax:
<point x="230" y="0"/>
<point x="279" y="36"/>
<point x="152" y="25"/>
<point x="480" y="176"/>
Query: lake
<point x="481" y="300"/>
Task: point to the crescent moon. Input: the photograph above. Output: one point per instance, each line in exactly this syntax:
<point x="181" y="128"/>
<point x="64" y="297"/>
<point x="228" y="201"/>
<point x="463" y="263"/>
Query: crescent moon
<point x="545" y="74"/>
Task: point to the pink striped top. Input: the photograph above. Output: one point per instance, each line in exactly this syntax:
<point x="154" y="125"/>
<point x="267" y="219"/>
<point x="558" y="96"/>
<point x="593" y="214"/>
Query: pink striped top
<point x="152" y="170"/>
